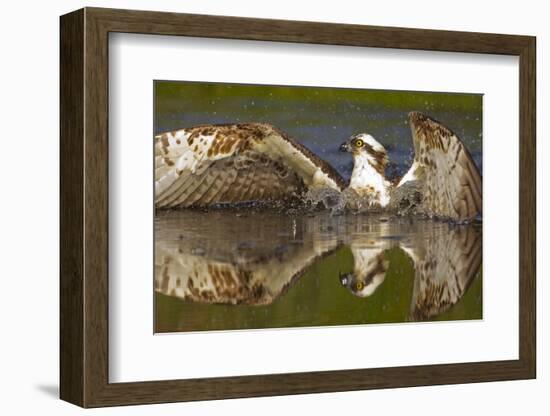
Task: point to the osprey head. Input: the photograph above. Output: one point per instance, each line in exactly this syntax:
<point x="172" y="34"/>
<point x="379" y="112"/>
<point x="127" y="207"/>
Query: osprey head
<point x="364" y="144"/>
<point x="369" y="273"/>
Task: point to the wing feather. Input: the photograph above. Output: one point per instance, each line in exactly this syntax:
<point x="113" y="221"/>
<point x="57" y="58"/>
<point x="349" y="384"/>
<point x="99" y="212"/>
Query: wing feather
<point x="233" y="193"/>
<point x="233" y="163"/>
<point x="180" y="190"/>
<point x="221" y="273"/>
<point x="451" y="180"/>
<point x="208" y="179"/>
<point x="445" y="264"/>
<point x="220" y="183"/>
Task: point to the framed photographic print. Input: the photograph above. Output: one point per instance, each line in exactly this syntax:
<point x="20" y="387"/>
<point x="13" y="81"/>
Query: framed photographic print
<point x="255" y="207"/>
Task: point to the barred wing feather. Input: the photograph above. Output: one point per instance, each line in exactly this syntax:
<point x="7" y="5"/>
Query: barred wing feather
<point x="445" y="264"/>
<point x="451" y="183"/>
<point x="235" y="163"/>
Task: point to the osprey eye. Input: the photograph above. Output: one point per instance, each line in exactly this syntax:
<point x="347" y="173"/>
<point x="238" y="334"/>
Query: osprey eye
<point x="358" y="143"/>
<point x="359" y="286"/>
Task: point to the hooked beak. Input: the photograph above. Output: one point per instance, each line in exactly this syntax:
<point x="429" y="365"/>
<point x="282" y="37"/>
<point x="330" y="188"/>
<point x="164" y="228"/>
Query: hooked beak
<point x="345" y="147"/>
<point x="344" y="278"/>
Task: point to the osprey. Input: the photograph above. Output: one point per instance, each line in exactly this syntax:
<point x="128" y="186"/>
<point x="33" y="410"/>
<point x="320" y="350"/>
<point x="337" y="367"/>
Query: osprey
<point x="445" y="259"/>
<point x="235" y="163"/>
<point x="218" y="261"/>
<point x="223" y="264"/>
<point x="203" y="278"/>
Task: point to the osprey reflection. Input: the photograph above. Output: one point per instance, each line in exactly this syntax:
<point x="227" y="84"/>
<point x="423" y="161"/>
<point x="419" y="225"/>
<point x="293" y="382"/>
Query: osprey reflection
<point x="225" y="258"/>
<point x="445" y="259"/>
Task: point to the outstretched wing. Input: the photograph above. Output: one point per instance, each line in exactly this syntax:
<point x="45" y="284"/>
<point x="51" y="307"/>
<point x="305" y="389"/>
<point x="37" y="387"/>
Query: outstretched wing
<point x="445" y="263"/>
<point x="204" y="279"/>
<point x="451" y="183"/>
<point x="234" y="163"/>
<point x="227" y="264"/>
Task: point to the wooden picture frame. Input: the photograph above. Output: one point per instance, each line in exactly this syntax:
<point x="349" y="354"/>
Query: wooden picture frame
<point x="84" y="207"/>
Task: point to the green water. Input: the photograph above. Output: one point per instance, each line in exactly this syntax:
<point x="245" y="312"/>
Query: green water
<point x="266" y="269"/>
<point x="299" y="261"/>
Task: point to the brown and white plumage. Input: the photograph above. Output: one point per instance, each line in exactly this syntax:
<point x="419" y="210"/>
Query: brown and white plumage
<point x="446" y="258"/>
<point x="235" y="163"/>
<point x="443" y="173"/>
<point x="369" y="270"/>
<point x="201" y="278"/>
<point x="451" y="183"/>
<point x="445" y="266"/>
<point x="233" y="260"/>
<point x="218" y="258"/>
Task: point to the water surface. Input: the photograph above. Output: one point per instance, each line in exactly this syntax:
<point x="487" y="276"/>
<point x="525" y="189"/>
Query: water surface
<point x="262" y="269"/>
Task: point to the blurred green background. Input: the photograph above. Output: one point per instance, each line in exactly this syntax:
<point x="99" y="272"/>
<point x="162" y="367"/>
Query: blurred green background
<point x="321" y="118"/>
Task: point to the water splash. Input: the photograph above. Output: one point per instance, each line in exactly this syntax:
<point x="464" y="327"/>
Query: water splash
<point x="339" y="203"/>
<point x="405" y="201"/>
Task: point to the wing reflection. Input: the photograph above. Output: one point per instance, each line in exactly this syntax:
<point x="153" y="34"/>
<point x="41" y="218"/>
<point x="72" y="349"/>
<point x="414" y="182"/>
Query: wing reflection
<point x="232" y="259"/>
<point x="228" y="258"/>
<point x="445" y="265"/>
<point x="445" y="257"/>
